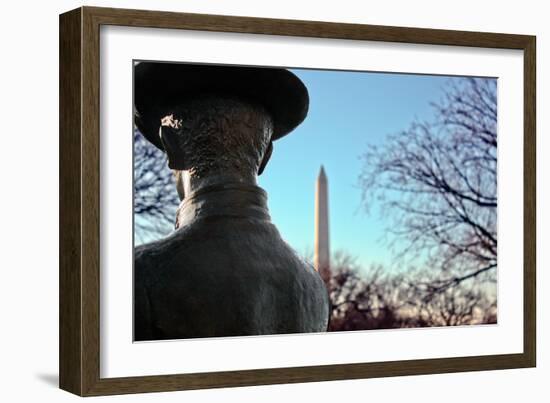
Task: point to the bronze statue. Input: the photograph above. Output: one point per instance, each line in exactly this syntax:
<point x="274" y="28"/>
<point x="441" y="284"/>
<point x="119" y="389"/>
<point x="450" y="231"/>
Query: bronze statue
<point x="225" y="270"/>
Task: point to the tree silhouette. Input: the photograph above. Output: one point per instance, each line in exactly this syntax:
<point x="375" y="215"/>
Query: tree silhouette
<point x="378" y="298"/>
<point x="437" y="181"/>
<point x="155" y="195"/>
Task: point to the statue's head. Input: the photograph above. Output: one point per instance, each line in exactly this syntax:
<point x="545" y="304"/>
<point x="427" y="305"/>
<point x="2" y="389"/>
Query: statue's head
<point x="216" y="134"/>
<point x="214" y="120"/>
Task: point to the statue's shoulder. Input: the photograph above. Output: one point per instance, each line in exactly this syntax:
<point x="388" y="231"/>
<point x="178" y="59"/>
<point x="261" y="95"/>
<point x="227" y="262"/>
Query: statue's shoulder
<point x="143" y="251"/>
<point x="154" y="259"/>
<point x="148" y="256"/>
<point x="159" y="247"/>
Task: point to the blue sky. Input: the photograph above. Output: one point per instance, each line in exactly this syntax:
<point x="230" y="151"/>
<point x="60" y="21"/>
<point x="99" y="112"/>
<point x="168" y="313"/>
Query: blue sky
<point x="347" y="112"/>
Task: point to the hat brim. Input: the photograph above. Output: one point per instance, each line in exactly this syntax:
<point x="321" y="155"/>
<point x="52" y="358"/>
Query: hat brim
<point x="159" y="86"/>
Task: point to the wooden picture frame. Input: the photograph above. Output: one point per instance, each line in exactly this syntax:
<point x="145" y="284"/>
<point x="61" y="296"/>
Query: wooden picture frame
<point x="80" y="184"/>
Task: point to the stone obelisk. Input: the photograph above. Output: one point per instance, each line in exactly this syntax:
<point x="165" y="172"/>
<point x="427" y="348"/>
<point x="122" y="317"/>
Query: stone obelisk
<point x="321" y="258"/>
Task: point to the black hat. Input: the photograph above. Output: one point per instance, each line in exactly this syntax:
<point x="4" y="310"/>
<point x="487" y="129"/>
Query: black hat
<point x="161" y="86"/>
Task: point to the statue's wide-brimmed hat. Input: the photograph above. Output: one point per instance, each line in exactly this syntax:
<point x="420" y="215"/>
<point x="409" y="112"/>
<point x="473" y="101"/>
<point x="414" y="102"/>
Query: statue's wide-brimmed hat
<point x="158" y="87"/>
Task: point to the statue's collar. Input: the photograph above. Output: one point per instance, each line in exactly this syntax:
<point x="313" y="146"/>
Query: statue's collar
<point x="224" y="200"/>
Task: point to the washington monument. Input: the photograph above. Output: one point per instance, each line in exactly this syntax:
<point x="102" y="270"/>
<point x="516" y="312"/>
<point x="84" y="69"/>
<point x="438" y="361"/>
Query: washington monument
<point x="321" y="259"/>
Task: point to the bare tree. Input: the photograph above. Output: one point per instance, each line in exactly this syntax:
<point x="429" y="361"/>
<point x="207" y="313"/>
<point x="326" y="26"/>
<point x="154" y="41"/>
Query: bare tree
<point x="378" y="298"/>
<point x="438" y="182"/>
<point x="465" y="303"/>
<point x="362" y="299"/>
<point x="155" y="195"/>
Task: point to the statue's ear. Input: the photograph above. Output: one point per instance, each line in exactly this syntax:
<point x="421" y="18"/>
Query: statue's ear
<point x="168" y="137"/>
<point x="266" y="158"/>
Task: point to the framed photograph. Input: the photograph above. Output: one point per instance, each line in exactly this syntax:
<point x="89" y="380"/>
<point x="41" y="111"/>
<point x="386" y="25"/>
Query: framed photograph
<point x="248" y="201"/>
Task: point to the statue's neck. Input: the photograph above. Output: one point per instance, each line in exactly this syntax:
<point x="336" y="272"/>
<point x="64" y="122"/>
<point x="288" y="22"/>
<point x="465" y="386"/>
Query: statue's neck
<point x="191" y="183"/>
<point x="227" y="199"/>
